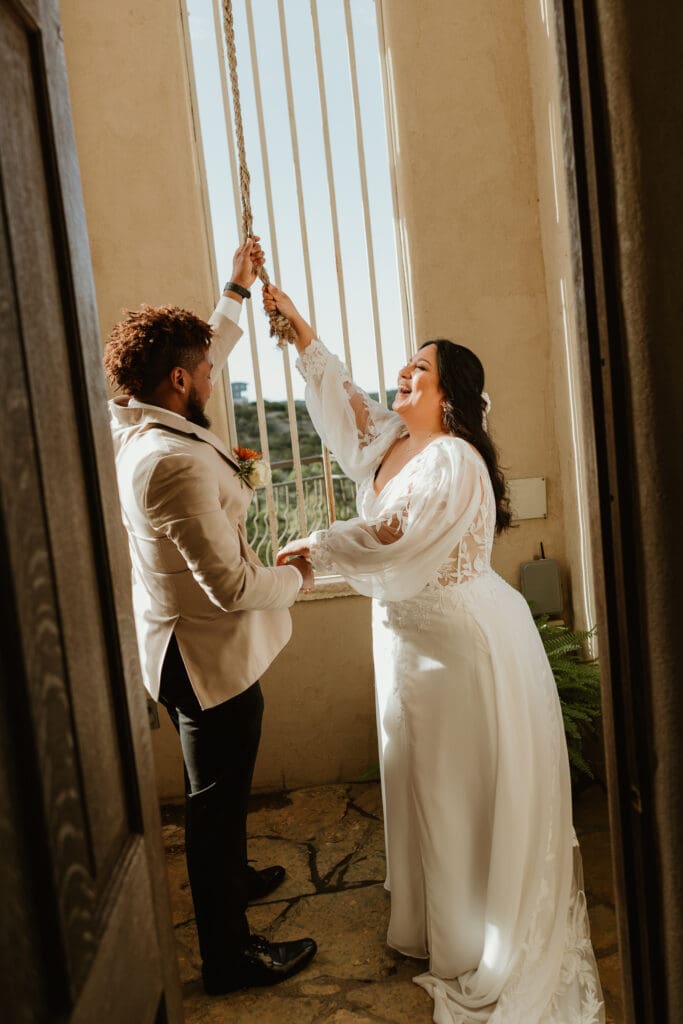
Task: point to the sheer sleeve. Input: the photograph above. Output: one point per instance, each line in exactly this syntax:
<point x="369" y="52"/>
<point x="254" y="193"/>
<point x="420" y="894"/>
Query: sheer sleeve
<point x="355" y="428"/>
<point x="420" y="519"/>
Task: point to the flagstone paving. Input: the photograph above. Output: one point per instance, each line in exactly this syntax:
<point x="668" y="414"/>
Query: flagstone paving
<point x="330" y="839"/>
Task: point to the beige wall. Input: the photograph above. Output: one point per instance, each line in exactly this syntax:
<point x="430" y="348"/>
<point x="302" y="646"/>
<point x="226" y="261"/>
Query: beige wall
<point x="130" y="101"/>
<point x="319" y="721"/>
<point x="564" y="291"/>
<point x="468" y="189"/>
<point x="136" y="146"/>
<point x="135" y="134"/>
<point x="468" y="196"/>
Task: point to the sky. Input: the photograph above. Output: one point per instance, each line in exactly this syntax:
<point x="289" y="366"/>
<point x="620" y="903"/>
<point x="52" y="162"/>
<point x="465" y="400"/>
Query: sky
<point x="314" y="176"/>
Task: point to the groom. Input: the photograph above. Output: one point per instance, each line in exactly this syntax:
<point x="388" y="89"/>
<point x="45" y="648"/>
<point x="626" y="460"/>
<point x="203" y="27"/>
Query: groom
<point x="210" y="618"/>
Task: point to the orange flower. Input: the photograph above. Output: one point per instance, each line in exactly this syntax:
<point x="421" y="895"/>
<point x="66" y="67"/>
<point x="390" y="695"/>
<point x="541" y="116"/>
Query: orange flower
<point x="250" y="469"/>
<point x="247" y="454"/>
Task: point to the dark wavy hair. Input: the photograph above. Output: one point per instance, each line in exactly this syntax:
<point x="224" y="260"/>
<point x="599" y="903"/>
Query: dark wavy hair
<point x="144" y="348"/>
<point x="461" y="376"/>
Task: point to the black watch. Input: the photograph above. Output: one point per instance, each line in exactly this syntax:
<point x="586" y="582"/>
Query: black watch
<point x="232" y="287"/>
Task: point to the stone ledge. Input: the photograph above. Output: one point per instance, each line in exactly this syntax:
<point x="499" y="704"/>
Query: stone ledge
<point x="326" y="587"/>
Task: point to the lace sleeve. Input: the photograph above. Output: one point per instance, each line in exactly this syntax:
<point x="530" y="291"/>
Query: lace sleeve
<point x="352" y="425"/>
<point x="421" y="517"/>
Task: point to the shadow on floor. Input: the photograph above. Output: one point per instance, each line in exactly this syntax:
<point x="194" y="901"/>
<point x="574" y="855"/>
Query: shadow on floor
<point x="330" y="840"/>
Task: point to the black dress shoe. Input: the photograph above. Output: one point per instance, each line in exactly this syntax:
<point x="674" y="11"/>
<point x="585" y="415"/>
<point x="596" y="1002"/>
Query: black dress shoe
<point x="261" y="883"/>
<point x="262" y="963"/>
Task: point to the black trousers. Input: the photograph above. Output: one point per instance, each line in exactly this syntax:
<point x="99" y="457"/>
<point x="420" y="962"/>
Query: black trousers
<point x="219" y="751"/>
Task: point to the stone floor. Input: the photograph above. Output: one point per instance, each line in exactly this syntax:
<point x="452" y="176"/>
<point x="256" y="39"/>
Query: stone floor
<point x="330" y="840"/>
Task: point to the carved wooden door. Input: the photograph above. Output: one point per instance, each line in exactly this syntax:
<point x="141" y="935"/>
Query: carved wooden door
<point x="85" y="931"/>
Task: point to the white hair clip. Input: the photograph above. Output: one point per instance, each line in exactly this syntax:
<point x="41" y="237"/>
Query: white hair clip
<point x="487" y="410"/>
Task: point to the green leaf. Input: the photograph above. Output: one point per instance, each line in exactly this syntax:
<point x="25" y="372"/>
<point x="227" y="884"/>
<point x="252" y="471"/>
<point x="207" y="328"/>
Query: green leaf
<point x="370" y="774"/>
<point x="578" y="686"/>
<point x="579" y="763"/>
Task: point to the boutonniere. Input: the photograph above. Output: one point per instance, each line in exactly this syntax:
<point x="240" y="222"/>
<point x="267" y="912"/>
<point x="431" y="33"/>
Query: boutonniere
<point x="252" y="469"/>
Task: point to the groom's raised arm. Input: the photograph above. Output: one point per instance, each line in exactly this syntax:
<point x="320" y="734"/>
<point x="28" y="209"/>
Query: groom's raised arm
<point x="225" y="317"/>
<point x="226" y="332"/>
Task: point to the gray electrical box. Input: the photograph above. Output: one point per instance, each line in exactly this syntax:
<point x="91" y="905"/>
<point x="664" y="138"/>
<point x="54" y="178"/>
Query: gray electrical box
<point x="542" y="586"/>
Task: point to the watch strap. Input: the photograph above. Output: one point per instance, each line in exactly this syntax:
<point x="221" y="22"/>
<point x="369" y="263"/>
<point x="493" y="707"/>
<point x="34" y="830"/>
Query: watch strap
<point x="238" y="288"/>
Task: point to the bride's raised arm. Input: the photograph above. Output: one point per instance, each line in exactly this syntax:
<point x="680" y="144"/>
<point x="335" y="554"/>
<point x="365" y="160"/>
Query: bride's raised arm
<point x="356" y="428"/>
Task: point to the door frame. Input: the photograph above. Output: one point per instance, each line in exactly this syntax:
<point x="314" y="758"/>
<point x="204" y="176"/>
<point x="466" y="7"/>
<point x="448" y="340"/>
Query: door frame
<point x="33" y="822"/>
<point x="637" y="603"/>
<point x="117" y="598"/>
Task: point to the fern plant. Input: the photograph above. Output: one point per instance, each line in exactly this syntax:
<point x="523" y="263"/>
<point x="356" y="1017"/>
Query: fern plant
<point x="578" y="685"/>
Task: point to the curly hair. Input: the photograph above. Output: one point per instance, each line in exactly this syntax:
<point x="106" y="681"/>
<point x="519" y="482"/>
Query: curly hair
<point x="144" y="347"/>
<point x="461" y="376"/>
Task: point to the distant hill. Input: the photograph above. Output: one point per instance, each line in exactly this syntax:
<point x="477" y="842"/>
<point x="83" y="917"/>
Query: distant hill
<point x="279" y="437"/>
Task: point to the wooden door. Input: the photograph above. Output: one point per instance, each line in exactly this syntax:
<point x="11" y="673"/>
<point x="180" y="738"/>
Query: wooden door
<point x="624" y="69"/>
<point x="86" y="934"/>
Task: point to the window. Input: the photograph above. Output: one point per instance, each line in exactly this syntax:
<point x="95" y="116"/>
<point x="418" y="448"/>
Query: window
<point x="314" y="98"/>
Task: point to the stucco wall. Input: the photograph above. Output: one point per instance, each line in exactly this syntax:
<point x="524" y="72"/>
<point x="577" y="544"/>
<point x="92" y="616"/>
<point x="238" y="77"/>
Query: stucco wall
<point x="136" y="146"/>
<point x="319" y="720"/>
<point x="135" y="135"/>
<point x="468" y="190"/>
<point x="468" y="197"/>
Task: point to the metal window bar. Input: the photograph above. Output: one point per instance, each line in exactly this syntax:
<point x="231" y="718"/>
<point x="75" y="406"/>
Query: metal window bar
<point x="334" y="213"/>
<point x="274" y="512"/>
<point x="206" y="206"/>
<point x="390" y="122"/>
<point x="351" y="46"/>
<point x="285" y="503"/>
<point x="256" y="78"/>
<point x="271" y="514"/>
<point x="303" y="227"/>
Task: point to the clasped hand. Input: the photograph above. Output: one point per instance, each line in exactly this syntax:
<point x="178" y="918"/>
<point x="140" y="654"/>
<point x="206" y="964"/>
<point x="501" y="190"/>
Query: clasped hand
<point x="298" y="553"/>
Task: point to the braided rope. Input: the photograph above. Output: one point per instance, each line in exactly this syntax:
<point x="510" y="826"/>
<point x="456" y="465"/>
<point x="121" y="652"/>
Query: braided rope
<point x="280" y="327"/>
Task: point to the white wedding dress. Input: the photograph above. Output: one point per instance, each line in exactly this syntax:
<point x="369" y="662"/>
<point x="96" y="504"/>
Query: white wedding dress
<point x="482" y="860"/>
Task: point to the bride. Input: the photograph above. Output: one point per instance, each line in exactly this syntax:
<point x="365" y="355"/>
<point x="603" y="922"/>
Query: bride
<point x="483" y="864"/>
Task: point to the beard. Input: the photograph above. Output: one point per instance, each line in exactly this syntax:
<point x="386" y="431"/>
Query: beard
<point x="195" y="410"/>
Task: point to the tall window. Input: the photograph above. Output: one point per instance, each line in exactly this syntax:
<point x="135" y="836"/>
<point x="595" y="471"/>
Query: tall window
<point x="315" y="100"/>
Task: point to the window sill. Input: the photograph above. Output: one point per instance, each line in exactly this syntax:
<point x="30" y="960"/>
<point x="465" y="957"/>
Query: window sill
<point x="326" y="587"/>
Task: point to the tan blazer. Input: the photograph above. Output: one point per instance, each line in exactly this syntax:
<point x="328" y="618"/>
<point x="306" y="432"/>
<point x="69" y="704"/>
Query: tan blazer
<point x="193" y="572"/>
